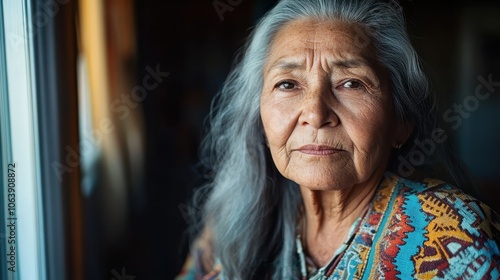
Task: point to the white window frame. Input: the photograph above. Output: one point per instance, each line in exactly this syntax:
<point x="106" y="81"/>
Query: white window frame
<point x="22" y="148"/>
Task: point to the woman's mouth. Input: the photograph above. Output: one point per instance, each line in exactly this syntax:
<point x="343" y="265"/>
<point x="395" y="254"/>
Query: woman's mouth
<point x="318" y="150"/>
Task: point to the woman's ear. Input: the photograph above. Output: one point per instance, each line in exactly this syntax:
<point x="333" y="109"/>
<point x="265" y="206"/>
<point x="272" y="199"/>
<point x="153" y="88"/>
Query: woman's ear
<point x="403" y="132"/>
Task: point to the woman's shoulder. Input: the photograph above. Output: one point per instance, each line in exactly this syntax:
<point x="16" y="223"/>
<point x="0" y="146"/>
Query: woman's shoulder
<point x="201" y="263"/>
<point x="446" y="204"/>
<point x="440" y="230"/>
<point x="442" y="200"/>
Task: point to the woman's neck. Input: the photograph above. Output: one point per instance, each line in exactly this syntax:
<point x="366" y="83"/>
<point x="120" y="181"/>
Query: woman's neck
<point x="330" y="214"/>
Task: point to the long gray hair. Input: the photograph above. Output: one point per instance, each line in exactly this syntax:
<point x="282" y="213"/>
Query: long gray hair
<point x="251" y="210"/>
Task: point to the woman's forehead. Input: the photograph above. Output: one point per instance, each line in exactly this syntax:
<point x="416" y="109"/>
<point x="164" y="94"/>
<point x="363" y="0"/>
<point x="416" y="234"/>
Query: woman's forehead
<point x="339" y="43"/>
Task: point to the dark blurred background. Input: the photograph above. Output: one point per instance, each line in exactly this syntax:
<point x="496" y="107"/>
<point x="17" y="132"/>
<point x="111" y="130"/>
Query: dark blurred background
<point x="196" y="45"/>
<point x="458" y="43"/>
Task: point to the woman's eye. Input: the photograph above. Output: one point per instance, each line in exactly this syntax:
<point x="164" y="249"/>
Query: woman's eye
<point x="352" y="84"/>
<point x="285" y="85"/>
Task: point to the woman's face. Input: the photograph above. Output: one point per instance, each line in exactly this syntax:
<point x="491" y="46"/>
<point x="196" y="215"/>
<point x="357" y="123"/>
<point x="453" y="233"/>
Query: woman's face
<point x="326" y="106"/>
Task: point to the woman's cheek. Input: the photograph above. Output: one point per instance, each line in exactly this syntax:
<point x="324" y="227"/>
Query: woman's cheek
<point x="288" y="126"/>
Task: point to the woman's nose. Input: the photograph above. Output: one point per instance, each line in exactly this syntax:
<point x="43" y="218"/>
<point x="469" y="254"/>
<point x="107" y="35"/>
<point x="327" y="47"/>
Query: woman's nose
<point x="318" y="108"/>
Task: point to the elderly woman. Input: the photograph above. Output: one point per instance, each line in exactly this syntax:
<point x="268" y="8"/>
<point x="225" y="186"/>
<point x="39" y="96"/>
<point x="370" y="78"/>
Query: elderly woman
<point x="328" y="95"/>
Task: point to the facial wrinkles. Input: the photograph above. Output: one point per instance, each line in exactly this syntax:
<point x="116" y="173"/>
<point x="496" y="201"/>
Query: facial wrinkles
<point x="320" y="51"/>
<point x="323" y="59"/>
<point x="318" y="62"/>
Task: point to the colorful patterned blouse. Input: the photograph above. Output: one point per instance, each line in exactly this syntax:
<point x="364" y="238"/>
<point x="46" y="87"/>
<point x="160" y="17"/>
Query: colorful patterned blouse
<point x="412" y="230"/>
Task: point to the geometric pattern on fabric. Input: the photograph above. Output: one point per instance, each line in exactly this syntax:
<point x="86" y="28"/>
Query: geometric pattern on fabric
<point x="413" y="230"/>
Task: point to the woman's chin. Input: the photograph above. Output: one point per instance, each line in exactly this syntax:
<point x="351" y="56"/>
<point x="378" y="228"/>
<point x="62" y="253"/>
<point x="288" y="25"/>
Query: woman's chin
<point x="324" y="184"/>
<point x="316" y="176"/>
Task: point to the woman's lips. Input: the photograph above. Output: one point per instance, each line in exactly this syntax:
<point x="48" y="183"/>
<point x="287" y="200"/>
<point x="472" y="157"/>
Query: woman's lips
<point x="319" y="150"/>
